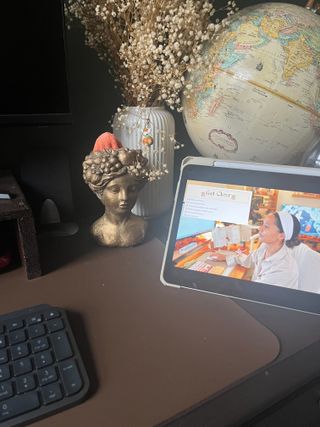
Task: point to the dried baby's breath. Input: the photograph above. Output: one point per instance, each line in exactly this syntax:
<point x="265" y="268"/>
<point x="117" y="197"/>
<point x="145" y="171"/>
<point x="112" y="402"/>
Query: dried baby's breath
<point x="149" y="45"/>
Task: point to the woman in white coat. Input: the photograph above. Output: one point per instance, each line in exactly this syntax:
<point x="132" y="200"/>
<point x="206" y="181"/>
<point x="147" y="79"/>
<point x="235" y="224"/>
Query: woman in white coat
<point x="272" y="262"/>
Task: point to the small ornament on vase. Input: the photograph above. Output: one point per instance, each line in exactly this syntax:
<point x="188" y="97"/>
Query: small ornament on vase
<point x="147" y="138"/>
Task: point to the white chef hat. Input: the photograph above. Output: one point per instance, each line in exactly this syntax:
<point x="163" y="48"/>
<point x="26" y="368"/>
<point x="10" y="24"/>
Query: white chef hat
<point x="287" y="223"/>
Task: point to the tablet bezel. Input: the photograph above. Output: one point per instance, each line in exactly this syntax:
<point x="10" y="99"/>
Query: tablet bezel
<point x="276" y="177"/>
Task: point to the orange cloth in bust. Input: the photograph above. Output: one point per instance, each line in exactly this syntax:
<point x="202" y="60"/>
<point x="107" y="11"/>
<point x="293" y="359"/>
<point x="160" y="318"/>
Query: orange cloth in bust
<point x="107" y="140"/>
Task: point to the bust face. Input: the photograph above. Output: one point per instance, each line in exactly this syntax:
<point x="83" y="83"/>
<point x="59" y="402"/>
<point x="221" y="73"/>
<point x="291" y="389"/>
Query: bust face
<point x="120" y="194"/>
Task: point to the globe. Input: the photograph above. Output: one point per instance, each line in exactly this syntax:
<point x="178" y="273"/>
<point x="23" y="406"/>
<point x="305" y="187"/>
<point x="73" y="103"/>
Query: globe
<point x="259" y="100"/>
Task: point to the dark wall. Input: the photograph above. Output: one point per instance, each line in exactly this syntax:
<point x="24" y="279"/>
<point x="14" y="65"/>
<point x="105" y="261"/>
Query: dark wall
<point x="94" y="100"/>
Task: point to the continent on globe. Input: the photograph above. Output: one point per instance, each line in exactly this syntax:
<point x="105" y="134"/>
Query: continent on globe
<point x="259" y="100"/>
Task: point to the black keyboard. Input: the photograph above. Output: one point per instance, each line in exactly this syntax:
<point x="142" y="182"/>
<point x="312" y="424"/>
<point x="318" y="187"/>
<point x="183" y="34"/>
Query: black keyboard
<point x="41" y="370"/>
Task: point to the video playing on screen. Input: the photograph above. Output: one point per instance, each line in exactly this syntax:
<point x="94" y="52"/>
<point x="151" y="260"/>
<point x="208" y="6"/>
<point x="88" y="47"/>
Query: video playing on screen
<point x="261" y="235"/>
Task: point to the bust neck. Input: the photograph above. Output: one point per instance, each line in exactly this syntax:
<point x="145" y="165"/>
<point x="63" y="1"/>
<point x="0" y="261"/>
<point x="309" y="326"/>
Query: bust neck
<point x="117" y="219"/>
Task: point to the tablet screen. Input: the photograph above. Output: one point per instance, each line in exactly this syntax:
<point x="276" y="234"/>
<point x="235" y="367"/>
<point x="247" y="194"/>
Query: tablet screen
<point x="262" y="235"/>
<point x="253" y="242"/>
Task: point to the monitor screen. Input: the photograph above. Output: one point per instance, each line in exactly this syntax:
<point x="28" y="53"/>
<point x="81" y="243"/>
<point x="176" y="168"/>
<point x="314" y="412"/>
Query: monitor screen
<point x="33" y="74"/>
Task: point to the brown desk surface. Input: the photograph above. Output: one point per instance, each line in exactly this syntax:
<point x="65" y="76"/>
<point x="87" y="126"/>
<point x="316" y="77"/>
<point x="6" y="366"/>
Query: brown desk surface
<point x="151" y="351"/>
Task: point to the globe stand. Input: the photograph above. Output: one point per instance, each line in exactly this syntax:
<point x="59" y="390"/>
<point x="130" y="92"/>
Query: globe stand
<point x="314" y="6"/>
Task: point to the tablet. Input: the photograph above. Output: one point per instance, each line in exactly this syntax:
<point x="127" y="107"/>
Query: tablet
<point x="249" y="231"/>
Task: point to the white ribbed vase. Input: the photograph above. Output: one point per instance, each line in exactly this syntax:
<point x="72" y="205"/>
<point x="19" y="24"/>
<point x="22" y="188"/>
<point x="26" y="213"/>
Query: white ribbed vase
<point x="157" y="196"/>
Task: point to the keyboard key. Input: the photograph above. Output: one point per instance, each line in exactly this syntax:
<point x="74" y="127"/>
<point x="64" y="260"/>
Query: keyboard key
<point x="2" y="341"/>
<point x="55" y="325"/>
<point x="70" y="375"/>
<point x="52" y="314"/>
<point x="25" y="383"/>
<point x="4" y="372"/>
<point x="51" y="393"/>
<point x="47" y="375"/>
<point x="43" y="359"/>
<point x="3" y="356"/>
<point x="6" y="390"/>
<point x="17" y="337"/>
<point x="36" y="331"/>
<point x="61" y="346"/>
<point x="18" y="405"/>
<point x="22" y="366"/>
<point x="34" y="319"/>
<point x="40" y="344"/>
<point x="19" y="351"/>
<point x="15" y="324"/>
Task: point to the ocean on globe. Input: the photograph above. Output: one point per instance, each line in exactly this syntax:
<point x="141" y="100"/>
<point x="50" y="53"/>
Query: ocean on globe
<point x="259" y="100"/>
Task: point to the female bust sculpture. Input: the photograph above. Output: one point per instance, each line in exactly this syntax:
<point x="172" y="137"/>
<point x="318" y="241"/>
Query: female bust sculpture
<point x="116" y="176"/>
